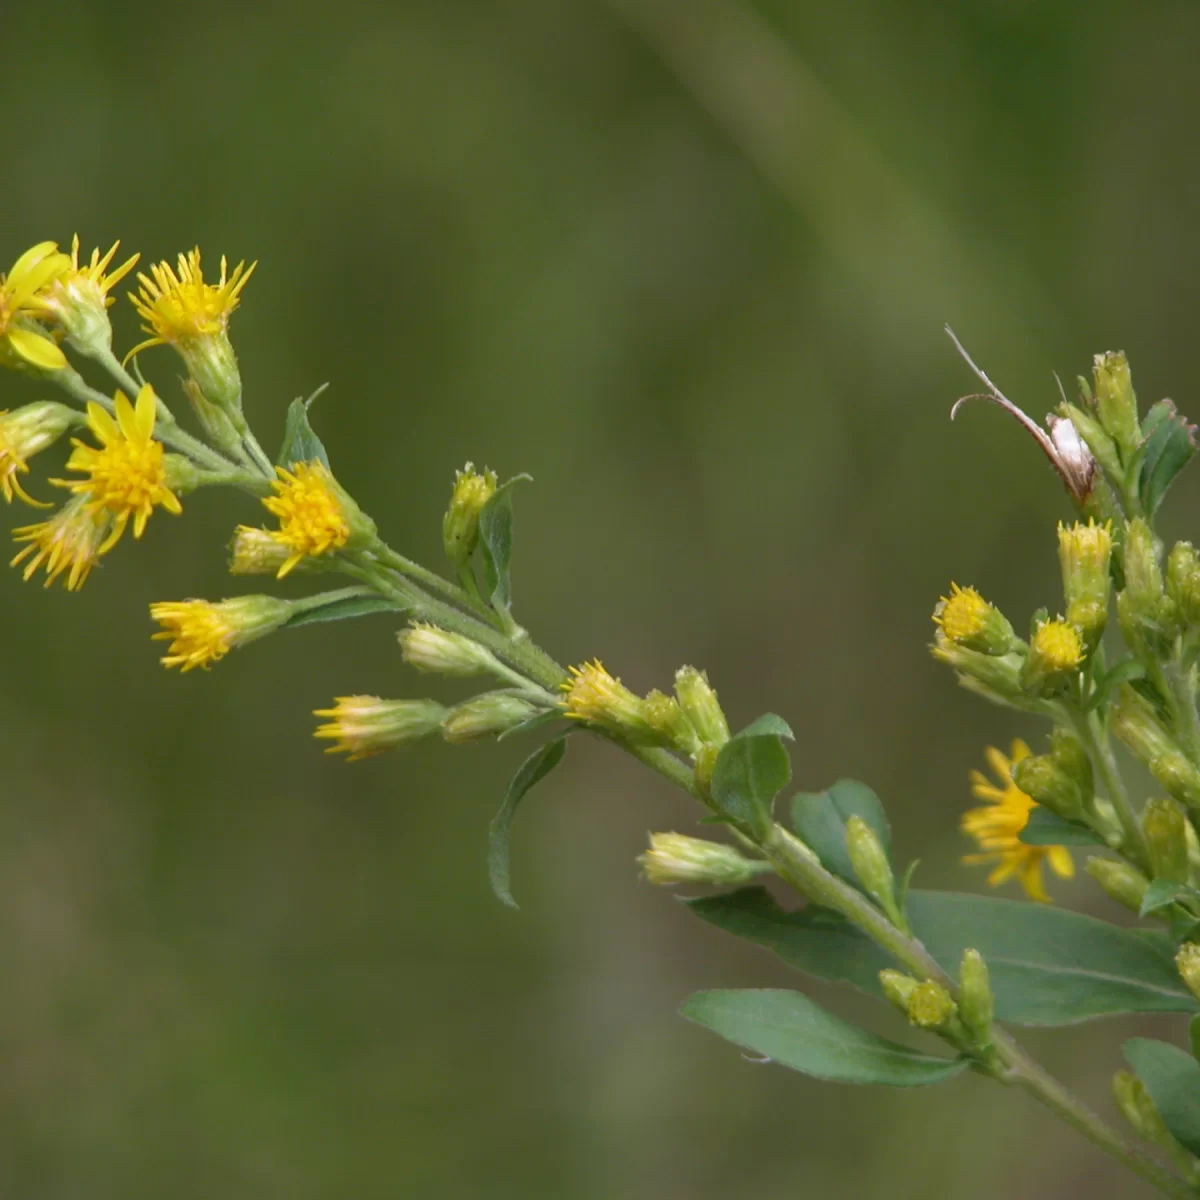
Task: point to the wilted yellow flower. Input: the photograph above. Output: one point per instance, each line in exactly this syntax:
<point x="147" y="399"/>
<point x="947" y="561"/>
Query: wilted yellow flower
<point x="202" y="633"/>
<point x="72" y="540"/>
<point x="127" y="474"/>
<point x="23" y="301"/>
<point x="178" y="307"/>
<point x="996" y="826"/>
<point x="22" y="435"/>
<point x="364" y="725"/>
<point x="79" y="297"/>
<point x="311" y="511"/>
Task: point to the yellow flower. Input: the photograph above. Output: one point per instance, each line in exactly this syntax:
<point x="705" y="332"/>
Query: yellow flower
<point x="127" y="474"/>
<point x="72" y="540"/>
<point x="997" y="824"/>
<point x="177" y="306"/>
<point x="592" y="694"/>
<point x="23" y="300"/>
<point x="311" y="511"/>
<point x="1058" y="645"/>
<point x="87" y="286"/>
<point x="202" y="633"/>
<point x="963" y="614"/>
<point x="364" y="725"/>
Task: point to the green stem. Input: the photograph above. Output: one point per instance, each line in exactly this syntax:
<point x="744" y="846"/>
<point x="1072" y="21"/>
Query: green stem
<point x="432" y="580"/>
<point x="1100" y="749"/>
<point x="1183" y="706"/>
<point x="797" y="864"/>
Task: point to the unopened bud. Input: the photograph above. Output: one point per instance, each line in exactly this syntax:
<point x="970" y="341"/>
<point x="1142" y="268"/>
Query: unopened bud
<point x="1134" y="722"/>
<point x="1188" y="962"/>
<point x="675" y="858"/>
<point x="898" y="988"/>
<point x="257" y="552"/>
<point x="491" y="713"/>
<point x="968" y="620"/>
<point x="1138" y="1108"/>
<point x="1056" y="652"/>
<point x="1115" y="401"/>
<point x="440" y="652"/>
<point x="1183" y="583"/>
<point x="219" y="426"/>
<point x="706" y="760"/>
<point x="870" y="862"/>
<point x="364" y="725"/>
<point x="996" y="677"/>
<point x="1042" y="778"/>
<point x="23" y="433"/>
<point x="460" y="526"/>
<point x="930" y="1006"/>
<point x="1142" y="607"/>
<point x="1121" y="882"/>
<point x="699" y="701"/>
<point x="1084" y="552"/>
<point x="665" y="717"/>
<point x="1164" y="823"/>
<point x="976" y="1004"/>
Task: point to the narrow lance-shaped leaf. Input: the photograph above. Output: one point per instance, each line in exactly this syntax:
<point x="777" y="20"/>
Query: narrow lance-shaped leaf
<point x="341" y="607"/>
<point x="796" y="1032"/>
<point x="535" y="768"/>
<point x="1172" y="1077"/>
<point x="1044" y="828"/>
<point x="495" y="541"/>
<point x="300" y="443"/>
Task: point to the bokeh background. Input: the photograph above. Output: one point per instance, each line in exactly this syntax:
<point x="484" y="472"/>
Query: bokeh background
<point x="686" y="262"/>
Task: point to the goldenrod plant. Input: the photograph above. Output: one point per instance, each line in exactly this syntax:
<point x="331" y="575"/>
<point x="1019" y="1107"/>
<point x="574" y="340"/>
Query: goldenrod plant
<point x="962" y="967"/>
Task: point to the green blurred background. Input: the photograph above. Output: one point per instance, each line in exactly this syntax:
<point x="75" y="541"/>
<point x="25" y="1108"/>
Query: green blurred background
<point x="687" y="263"/>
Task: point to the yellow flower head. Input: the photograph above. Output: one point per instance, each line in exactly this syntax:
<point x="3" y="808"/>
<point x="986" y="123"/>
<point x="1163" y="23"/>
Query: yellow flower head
<point x="1058" y="646"/>
<point x="997" y="824"/>
<point x="178" y="307"/>
<point x="364" y="725"/>
<point x="127" y="473"/>
<point x="72" y="540"/>
<point x="311" y="510"/>
<point x="963" y="614"/>
<point x="87" y="286"/>
<point x="22" y="435"/>
<point x="592" y="694"/>
<point x="202" y="633"/>
<point x="23" y="301"/>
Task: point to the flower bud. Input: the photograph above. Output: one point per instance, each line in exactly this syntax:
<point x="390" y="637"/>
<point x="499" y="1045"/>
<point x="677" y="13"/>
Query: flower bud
<point x="1115" y="402"/>
<point x="1142" y="607"/>
<point x="870" y="862"/>
<point x="460" y="526"/>
<point x="898" y="987"/>
<point x="699" y="701"/>
<point x="996" y="677"/>
<point x="706" y="760"/>
<point x="23" y="433"/>
<point x="1134" y="722"/>
<point x="1042" y="778"/>
<point x="1138" y="1108"/>
<point x="1084" y="552"/>
<point x="1183" y="583"/>
<point x="439" y="652"/>
<point x="491" y="713"/>
<point x="366" y="725"/>
<point x="674" y="858"/>
<point x="968" y="620"/>
<point x="1121" y="882"/>
<point x="667" y="720"/>
<point x="220" y="428"/>
<point x="1056" y="652"/>
<point x="930" y="1006"/>
<point x="976" y="1003"/>
<point x="1188" y="962"/>
<point x="593" y="695"/>
<point x="1164" y="823"/>
<point x="256" y="552"/>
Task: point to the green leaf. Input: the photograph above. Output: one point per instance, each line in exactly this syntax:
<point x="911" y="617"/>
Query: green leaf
<point x="1126" y="671"/>
<point x="535" y="768"/>
<point x="300" y="444"/>
<point x="749" y="773"/>
<point x="495" y="540"/>
<point x="768" y="723"/>
<point x="537" y="721"/>
<point x="1194" y="1037"/>
<point x="795" y="1032"/>
<point x="1172" y="1077"/>
<point x="1048" y="966"/>
<point x="1045" y="828"/>
<point x="1161" y="893"/>
<point x="340" y="608"/>
<point x="819" y="819"/>
<point x="1169" y="446"/>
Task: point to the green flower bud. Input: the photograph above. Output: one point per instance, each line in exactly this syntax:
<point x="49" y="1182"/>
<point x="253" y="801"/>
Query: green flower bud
<point x="996" y="677"/>
<point x="898" y="988"/>
<point x="491" y="713"/>
<point x="219" y="426"/>
<point x="699" y="701"/>
<point x="870" y="862"/>
<point x="1115" y="401"/>
<point x="1164" y="822"/>
<point x="1121" y="882"/>
<point x="1183" y="583"/>
<point x="1138" y="1109"/>
<point x="1084" y="552"/>
<point x="706" y="759"/>
<point x="460" y="526"/>
<point x="1041" y="777"/>
<point x="1134" y="722"/>
<point x="663" y="714"/>
<point x="211" y="362"/>
<point x="976" y="1004"/>
<point x="440" y="652"/>
<point x="1188" y="962"/>
<point x="674" y="858"/>
<point x="930" y="1006"/>
<point x="366" y="725"/>
<point x="1142" y="607"/>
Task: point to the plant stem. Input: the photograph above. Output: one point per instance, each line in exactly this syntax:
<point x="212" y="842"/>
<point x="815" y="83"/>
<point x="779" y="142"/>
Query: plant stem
<point x="1183" y="705"/>
<point x="795" y="863"/>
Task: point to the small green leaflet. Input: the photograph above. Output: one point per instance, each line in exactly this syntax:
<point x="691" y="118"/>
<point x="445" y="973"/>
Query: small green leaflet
<point x="535" y="768"/>
<point x="1161" y="893"/>
<point x="1172" y="1077"/>
<point x="751" y="770"/>
<point x="300" y="444"/>
<point x="495" y="540"/>
<point x="1169" y="446"/>
<point x="1044" y="828"/>
<point x="796" y="1032"/>
<point x="341" y="607"/>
